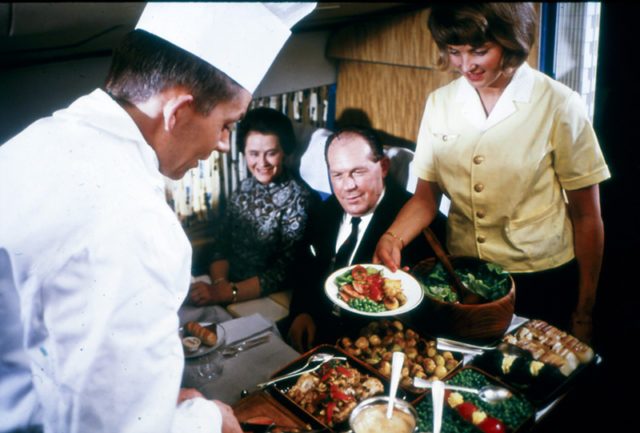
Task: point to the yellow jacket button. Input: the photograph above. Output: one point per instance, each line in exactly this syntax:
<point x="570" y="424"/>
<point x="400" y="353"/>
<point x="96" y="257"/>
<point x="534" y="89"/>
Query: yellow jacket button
<point x="478" y="159"/>
<point x="480" y="214"/>
<point x="478" y="187"/>
<point x="481" y="239"/>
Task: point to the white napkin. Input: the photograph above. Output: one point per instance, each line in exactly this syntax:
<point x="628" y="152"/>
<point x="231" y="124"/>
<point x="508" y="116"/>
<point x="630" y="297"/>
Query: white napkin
<point x="246" y="327"/>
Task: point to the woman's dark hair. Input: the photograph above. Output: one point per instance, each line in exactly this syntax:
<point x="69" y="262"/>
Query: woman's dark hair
<point x="510" y="25"/>
<point x="367" y="134"/>
<point x="144" y="65"/>
<point x="267" y="121"/>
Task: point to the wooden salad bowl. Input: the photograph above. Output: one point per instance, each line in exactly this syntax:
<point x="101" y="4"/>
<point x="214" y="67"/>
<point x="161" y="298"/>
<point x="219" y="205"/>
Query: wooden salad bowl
<point x="484" y="322"/>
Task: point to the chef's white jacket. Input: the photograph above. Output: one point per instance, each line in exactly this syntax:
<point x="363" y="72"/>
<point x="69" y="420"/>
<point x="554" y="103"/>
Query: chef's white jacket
<point x="93" y="268"/>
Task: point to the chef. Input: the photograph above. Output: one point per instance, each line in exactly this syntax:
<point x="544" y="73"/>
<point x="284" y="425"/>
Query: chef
<point x="93" y="263"/>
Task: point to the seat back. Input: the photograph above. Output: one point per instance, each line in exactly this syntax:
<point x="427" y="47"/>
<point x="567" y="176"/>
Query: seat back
<point x="402" y="171"/>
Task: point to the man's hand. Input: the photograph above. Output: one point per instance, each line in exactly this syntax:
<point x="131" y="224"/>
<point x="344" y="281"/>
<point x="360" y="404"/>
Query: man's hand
<point x="230" y="423"/>
<point x="187" y="394"/>
<point x="302" y="332"/>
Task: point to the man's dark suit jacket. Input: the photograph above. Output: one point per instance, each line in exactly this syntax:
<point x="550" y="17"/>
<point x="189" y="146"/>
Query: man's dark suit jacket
<point x="309" y="296"/>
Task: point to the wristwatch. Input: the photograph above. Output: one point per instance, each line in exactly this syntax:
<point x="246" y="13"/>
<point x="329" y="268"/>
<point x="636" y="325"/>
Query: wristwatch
<point x="234" y="293"/>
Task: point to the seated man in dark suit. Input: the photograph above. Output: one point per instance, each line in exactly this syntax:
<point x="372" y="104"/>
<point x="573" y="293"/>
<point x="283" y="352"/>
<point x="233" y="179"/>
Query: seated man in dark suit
<point x="358" y="213"/>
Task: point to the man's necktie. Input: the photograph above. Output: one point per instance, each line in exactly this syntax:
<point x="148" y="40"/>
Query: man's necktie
<point x="346" y="249"/>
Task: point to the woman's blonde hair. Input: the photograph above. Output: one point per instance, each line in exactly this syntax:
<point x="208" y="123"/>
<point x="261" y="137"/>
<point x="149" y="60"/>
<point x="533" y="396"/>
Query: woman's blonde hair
<point x="510" y="25"/>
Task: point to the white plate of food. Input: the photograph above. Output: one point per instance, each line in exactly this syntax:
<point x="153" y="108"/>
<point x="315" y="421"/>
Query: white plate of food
<point x="373" y="290"/>
<point x="200" y="338"/>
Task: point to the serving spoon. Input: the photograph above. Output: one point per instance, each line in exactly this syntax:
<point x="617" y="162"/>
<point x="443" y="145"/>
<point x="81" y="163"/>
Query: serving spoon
<point x="396" y="369"/>
<point x="491" y="394"/>
<point x="437" y="398"/>
<point x="465" y="295"/>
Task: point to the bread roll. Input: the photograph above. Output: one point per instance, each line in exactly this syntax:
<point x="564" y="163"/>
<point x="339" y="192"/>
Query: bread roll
<point x="205" y="335"/>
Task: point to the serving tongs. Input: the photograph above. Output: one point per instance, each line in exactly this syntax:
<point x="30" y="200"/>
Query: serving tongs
<point x="465" y="295"/>
<point x="461" y="347"/>
<point x="473" y="349"/>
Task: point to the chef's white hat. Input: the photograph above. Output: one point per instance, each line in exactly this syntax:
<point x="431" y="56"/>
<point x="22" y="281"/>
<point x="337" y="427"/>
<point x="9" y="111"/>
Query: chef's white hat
<point x="241" y="39"/>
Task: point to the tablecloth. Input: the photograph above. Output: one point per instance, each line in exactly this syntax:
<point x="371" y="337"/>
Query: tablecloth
<point x="244" y="370"/>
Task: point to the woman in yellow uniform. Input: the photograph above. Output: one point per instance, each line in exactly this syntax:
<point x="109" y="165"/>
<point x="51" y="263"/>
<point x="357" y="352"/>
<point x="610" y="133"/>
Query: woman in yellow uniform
<point x="517" y="156"/>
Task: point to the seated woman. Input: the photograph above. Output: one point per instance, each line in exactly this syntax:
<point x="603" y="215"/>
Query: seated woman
<point x="265" y="220"/>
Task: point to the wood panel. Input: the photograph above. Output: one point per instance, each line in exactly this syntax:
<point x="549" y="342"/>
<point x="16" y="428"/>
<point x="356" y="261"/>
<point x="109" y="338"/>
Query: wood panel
<point x="534" y="54"/>
<point x="401" y="39"/>
<point x="392" y="97"/>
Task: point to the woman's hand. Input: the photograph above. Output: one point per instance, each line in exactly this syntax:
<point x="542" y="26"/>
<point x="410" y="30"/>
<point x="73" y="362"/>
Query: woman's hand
<point x="202" y="293"/>
<point x="416" y="214"/>
<point x="582" y="327"/>
<point x="302" y="332"/>
<point x="388" y="252"/>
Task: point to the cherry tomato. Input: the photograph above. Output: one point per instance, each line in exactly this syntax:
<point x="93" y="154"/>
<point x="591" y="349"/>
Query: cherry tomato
<point x="375" y="293"/>
<point x="360" y="286"/>
<point x="492" y="425"/>
<point x="375" y="279"/>
<point x="466" y="409"/>
<point x="359" y="273"/>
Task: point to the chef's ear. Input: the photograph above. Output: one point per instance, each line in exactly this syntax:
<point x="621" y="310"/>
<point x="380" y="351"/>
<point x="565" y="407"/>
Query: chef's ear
<point x="171" y="108"/>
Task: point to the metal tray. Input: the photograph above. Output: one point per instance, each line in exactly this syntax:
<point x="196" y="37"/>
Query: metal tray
<point x="421" y="348"/>
<point x="522" y="412"/>
<point x="260" y="406"/>
<point x="542" y="389"/>
<point x="279" y="390"/>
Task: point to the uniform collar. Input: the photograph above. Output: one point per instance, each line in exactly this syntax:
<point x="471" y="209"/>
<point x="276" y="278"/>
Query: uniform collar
<point x="519" y="89"/>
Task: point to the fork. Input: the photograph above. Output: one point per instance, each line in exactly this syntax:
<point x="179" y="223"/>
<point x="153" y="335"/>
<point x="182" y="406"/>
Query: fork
<point x="319" y="358"/>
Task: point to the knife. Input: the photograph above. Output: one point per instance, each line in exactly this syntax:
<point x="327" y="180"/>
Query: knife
<point x="244" y="345"/>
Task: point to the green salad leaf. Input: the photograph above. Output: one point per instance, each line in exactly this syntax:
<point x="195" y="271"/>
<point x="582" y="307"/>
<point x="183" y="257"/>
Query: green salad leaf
<point x="485" y="279"/>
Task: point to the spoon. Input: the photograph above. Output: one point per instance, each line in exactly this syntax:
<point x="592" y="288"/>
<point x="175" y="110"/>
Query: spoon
<point x="437" y="399"/>
<point x="465" y="295"/>
<point x="489" y="393"/>
<point x="396" y="369"/>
